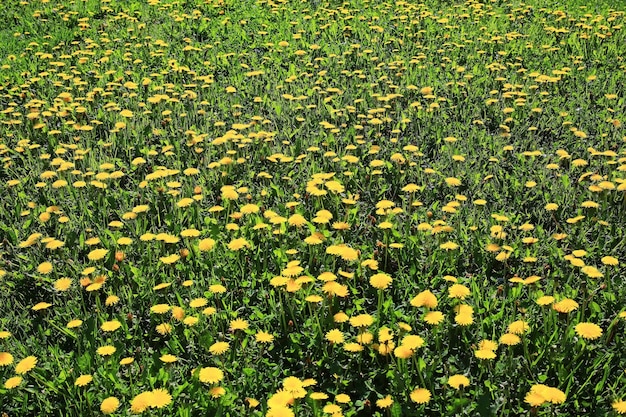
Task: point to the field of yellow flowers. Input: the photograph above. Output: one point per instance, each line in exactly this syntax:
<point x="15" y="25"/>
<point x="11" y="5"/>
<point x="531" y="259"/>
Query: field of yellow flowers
<point x="312" y="208"/>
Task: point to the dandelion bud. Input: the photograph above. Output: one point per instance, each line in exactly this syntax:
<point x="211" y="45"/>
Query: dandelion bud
<point x="119" y="256"/>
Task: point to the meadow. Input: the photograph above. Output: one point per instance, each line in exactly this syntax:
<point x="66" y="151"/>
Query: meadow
<point x="312" y="208"/>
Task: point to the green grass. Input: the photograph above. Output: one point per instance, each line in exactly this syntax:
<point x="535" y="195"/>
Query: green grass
<point x="227" y="156"/>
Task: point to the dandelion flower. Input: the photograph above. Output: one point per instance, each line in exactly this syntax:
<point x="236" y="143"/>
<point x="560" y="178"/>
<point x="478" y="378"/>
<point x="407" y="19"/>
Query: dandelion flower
<point x="362" y="320"/>
<point x="485" y="354"/>
<point x="45" y="268"/>
<point x="424" y="299"/>
<point x="420" y="396"/>
<point x="164" y="328"/>
<point x="5" y="358"/>
<point x="217" y="392"/>
<point x="342" y="398"/>
<point x="279" y="411"/>
<point x="160" y="308"/>
<point x="449" y="246"/>
<point x="352" y="347"/>
<point x="610" y="260"/>
<point x="217" y="289"/>
<point x="534" y="399"/>
<point x="458" y="381"/>
<point x="110" y="326"/>
<point x="518" y="327"/>
<point x="74" y="323"/>
<point x="141" y="402"/>
<point x="13" y="382"/>
<point x="206" y="245"/>
<point x="510" y="339"/>
<point x="167" y="358"/>
<point x="385" y="402"/>
<point x="331" y="408"/>
<point x="106" y="350"/>
<point x="619" y="406"/>
<point x="458" y="291"/>
<point x="83" y="380"/>
<point x="548" y="394"/>
<point x="219" y="348"/>
<point x="453" y="182"/>
<point x="380" y="281"/>
<point x="545" y="300"/>
<point x="264" y="337"/>
<point x="566" y="305"/>
<point x="589" y="331"/>
<point x="433" y="317"/>
<point x="25" y="365"/>
<point x="62" y="284"/>
<point x="238" y="244"/>
<point x="40" y="306"/>
<point x="160" y="398"/>
<point x="97" y="254"/>
<point x="109" y="405"/>
<point x="412" y="341"/>
<point x="238" y="324"/>
<point x="168" y="260"/>
<point x="335" y="336"/>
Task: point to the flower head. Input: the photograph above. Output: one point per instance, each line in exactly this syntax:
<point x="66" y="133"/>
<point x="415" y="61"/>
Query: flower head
<point x="458" y="381"/>
<point x="25" y="365"/>
<point x="588" y="330"/>
<point x="109" y="405"/>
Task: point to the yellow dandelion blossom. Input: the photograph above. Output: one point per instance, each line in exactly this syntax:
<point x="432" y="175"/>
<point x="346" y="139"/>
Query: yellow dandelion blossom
<point x="160" y="398"/>
<point x="420" y="396"/>
<point x="264" y="337"/>
<point x="238" y="244"/>
<point x="168" y="358"/>
<point x="385" y="402"/>
<point x="238" y="324"/>
<point x="219" y="348"/>
<point x="458" y="291"/>
<point x="425" y="299"/>
<point x="335" y="336"/>
<point x="13" y="382"/>
<point x="109" y="405"/>
<point x="619" y="406"/>
<point x="5" y="358"/>
<point x="106" y="350"/>
<point x="83" y="380"/>
<point x="97" y="254"/>
<point x="206" y="245"/>
<point x="141" y="402"/>
<point x="168" y="260"/>
<point x="510" y="339"/>
<point x="164" y="328"/>
<point x="458" y="381"/>
<point x="380" y="281"/>
<point x="518" y="327"/>
<point x="45" y="268"/>
<point x="453" y="182"/>
<point x="589" y="331"/>
<point x="25" y="365"/>
<point x="434" y="317"/>
<point x="567" y="305"/>
<point x="110" y="326"/>
<point x="62" y="284"/>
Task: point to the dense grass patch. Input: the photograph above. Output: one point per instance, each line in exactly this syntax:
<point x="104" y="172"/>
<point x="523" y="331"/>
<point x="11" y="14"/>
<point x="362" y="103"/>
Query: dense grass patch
<point x="312" y="208"/>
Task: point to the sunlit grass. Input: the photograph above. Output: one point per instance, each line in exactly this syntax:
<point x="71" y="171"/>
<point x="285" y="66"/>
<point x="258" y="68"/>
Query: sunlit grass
<point x="312" y="208"/>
